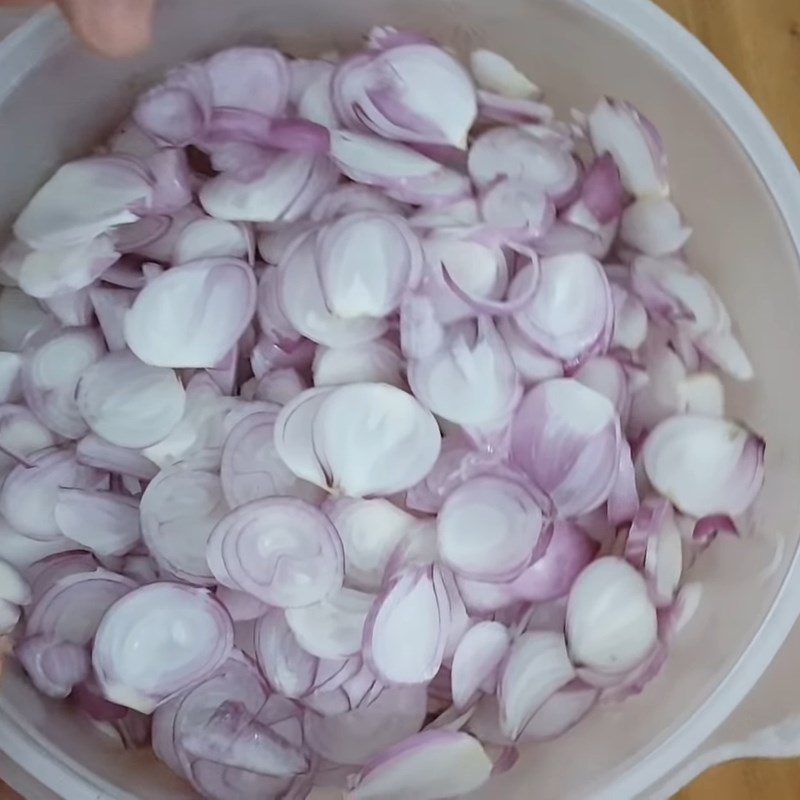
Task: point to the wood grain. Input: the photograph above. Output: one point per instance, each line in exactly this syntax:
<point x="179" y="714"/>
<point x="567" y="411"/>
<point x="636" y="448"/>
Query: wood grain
<point x="748" y="779"/>
<point x="759" y="42"/>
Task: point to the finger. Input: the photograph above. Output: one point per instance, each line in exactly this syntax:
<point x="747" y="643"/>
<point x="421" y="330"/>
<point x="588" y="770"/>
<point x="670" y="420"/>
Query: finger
<point x="111" y="27"/>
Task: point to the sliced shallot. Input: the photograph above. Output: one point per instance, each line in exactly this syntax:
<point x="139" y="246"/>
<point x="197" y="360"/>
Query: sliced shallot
<point x="334" y="626"/>
<point x="611" y="622"/>
<point x="471" y="380"/>
<point x="396" y="94"/>
<point x="562" y="711"/>
<point x="178" y="512"/>
<point x="301" y="296"/>
<point x="477" y="658"/>
<point x="21" y="435"/>
<point x="285" y="189"/>
<point x="488" y="529"/>
<point x="30" y="493"/>
<point x="188" y="631"/>
<point x="621" y="130"/>
<point x="288" y="668"/>
<point x="129" y="403"/>
<point x="294" y="439"/>
<point x="571" y="314"/>
<point x="355" y="737"/>
<point x="399" y="440"/>
<point x="404" y="174"/>
<point x="512" y="152"/>
<point x="567" y="439"/>
<point x="654" y="227"/>
<point x="282" y="550"/>
<point x="378" y="361"/>
<point x="93" y="451"/>
<point x="428" y="766"/>
<point x="72" y="608"/>
<point x="497" y="74"/>
<point x="569" y="551"/>
<point x="365" y="262"/>
<point x="53" y="666"/>
<point x="192" y="315"/>
<point x="538" y="665"/>
<point x="370" y="531"/>
<point x="50" y="375"/>
<point x="362" y="401"/>
<point x="705" y="465"/>
<point x="105" y="522"/>
<point x="82" y="200"/>
<point x="252" y="468"/>
<point x="406" y="631"/>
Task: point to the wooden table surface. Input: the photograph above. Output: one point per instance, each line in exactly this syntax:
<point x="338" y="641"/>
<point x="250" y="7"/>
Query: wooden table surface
<point x="759" y="42"/>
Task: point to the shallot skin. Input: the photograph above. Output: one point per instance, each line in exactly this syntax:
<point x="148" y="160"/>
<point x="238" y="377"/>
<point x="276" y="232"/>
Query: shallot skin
<point x="351" y="439"/>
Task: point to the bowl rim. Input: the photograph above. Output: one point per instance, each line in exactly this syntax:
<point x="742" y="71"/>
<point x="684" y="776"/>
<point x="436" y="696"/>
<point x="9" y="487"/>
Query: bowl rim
<point x="683" y="53"/>
<point x="688" y="57"/>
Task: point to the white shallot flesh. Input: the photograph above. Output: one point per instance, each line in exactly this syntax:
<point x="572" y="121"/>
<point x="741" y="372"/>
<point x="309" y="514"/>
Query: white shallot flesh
<point x="360" y="421"/>
<point x="185" y="630"/>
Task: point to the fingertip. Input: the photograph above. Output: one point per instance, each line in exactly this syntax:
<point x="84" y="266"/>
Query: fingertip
<point x="115" y="28"/>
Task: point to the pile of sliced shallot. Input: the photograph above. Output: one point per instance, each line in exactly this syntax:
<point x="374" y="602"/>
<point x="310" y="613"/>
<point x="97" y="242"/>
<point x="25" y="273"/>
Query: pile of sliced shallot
<point x="360" y="422"/>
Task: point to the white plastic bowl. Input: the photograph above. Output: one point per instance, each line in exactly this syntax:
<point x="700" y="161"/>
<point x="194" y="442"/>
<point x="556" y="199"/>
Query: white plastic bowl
<point x="740" y="192"/>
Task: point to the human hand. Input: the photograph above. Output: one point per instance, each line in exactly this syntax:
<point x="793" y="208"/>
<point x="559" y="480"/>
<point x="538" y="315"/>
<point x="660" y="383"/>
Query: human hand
<point x="111" y="27"/>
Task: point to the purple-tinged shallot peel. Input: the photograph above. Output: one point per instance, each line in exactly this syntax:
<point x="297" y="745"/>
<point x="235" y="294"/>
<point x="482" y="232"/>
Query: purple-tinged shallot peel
<point x="567" y="439"/>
